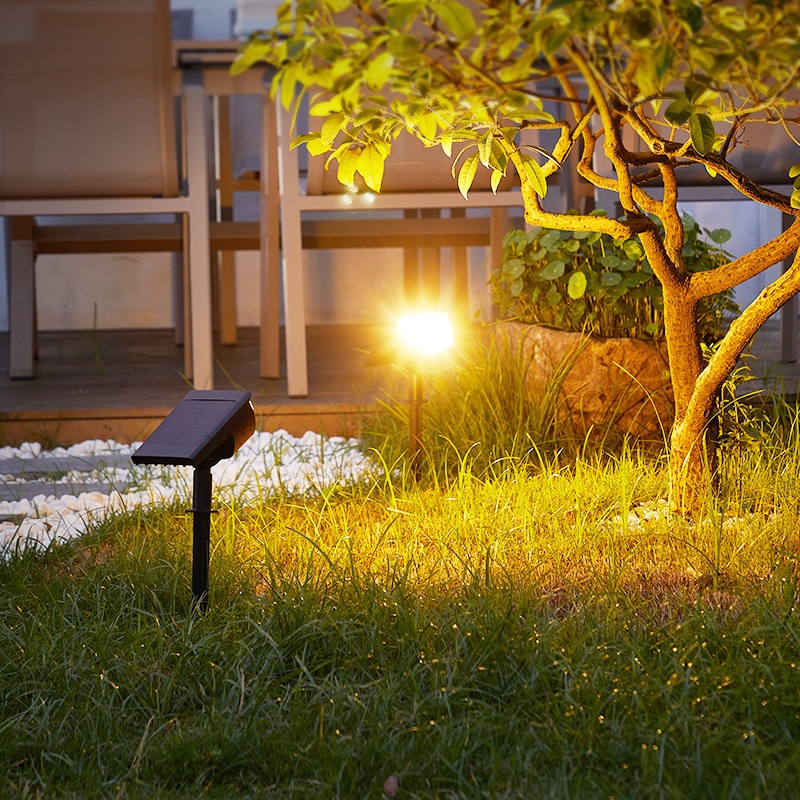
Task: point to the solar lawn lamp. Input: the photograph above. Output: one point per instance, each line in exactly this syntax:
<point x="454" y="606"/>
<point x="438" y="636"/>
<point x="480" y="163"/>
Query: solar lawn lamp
<point x="425" y="333"/>
<point x="205" y="427"/>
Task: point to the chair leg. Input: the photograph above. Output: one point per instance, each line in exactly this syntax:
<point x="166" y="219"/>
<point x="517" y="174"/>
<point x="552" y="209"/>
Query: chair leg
<point x="292" y="271"/>
<point x="225" y="284"/>
<point x="431" y="266"/>
<point x="226" y="276"/>
<point x="199" y="237"/>
<point x="22" y="299"/>
<point x="411" y="290"/>
<point x="461" y="273"/>
<point x="498" y="226"/>
<point x="270" y="250"/>
<point x="178" y="295"/>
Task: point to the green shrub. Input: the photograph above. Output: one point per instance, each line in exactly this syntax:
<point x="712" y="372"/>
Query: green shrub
<point x="578" y="280"/>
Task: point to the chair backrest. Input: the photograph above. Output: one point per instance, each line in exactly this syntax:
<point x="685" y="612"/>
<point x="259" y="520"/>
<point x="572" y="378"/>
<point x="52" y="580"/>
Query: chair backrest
<point x="86" y="106"/>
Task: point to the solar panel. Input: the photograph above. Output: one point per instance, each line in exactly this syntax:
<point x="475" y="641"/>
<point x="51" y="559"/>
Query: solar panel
<point x="205" y="427"/>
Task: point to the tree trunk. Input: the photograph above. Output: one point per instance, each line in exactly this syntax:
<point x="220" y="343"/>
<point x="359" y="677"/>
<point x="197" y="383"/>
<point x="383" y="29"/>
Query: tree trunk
<point x="693" y="445"/>
<point x="693" y="473"/>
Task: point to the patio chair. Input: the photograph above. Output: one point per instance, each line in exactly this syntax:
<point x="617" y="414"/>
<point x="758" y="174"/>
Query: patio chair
<point x="417" y="184"/>
<point x="87" y="127"/>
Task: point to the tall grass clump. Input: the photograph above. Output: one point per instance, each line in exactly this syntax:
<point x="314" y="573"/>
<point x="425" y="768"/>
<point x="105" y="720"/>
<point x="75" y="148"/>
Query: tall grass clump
<point x="478" y="414"/>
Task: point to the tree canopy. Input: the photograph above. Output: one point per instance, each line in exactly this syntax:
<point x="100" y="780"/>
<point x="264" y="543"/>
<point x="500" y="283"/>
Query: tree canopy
<point x="657" y="87"/>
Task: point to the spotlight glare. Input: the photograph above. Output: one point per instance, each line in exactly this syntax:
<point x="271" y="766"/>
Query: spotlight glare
<point x="430" y="332"/>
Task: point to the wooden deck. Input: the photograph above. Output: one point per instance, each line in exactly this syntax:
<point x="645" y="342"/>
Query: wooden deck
<point x="120" y="384"/>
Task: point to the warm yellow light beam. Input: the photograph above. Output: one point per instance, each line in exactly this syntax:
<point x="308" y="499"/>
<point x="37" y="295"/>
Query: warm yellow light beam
<point x="430" y="332"/>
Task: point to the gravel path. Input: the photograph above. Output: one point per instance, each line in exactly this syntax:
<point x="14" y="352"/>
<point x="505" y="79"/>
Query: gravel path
<point x="52" y="496"/>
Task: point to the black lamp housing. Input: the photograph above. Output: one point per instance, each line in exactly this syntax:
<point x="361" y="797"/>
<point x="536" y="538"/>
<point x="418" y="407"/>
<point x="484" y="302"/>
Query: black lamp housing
<point x="205" y="427"/>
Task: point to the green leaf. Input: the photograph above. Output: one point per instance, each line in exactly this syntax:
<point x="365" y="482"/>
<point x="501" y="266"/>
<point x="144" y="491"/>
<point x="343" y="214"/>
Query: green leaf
<point x="426" y="125"/>
<point x="513" y="269"/>
<point x="457" y="18"/>
<point x="577" y="285"/>
<point x="516" y="288"/>
<point x="365" y="115"/>
<point x="678" y="111"/>
<point x="702" y="132"/>
<point x="485" y="148"/>
<point x="610" y="279"/>
<point x="550" y="239"/>
<point x="719" y="235"/>
<point x="331" y="128"/>
<point x="553" y="270"/>
<point x="556" y="39"/>
<point x="370" y="165"/>
<point x="379" y="70"/>
<point x="316" y="146"/>
<point x="403" y="46"/>
<point x="533" y="172"/>
<point x="794" y="171"/>
<point x="497" y="176"/>
<point x="610" y="261"/>
<point x="633" y="250"/>
<point x="348" y="162"/>
<point x="466" y="175"/>
<point x="663" y="60"/>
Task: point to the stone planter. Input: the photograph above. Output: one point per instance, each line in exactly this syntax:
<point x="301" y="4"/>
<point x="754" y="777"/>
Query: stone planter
<point x="611" y="387"/>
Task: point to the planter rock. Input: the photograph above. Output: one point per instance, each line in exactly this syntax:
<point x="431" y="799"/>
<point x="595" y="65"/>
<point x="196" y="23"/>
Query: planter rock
<point x="608" y="387"/>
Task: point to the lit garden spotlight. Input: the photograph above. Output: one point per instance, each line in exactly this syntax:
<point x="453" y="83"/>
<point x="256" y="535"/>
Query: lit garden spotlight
<point x="426" y="333"/>
<point x="205" y="427"/>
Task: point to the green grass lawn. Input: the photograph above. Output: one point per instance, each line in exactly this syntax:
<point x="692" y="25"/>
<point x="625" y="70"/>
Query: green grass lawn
<point x="522" y="621"/>
<point x="519" y="634"/>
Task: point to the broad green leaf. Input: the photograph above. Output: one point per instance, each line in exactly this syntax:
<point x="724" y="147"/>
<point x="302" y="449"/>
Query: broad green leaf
<point x="550" y="239"/>
<point x="552" y="271"/>
<point x="287" y="87"/>
<point x="348" y="162"/>
<point x="317" y="147"/>
<point x="365" y="115"/>
<point x="702" y="132"/>
<point x="577" y="285"/>
<point x="516" y="288"/>
<point x="403" y="46"/>
<point x="466" y="175"/>
<point x="633" y="249"/>
<point x="533" y="172"/>
<point x="400" y="14"/>
<point x="610" y="261"/>
<point x="370" y="165"/>
<point x="326" y="107"/>
<point x="663" y="60"/>
<point x="556" y="39"/>
<point x="513" y="268"/>
<point x="379" y="70"/>
<point x="485" y="148"/>
<point x="678" y="111"/>
<point x="427" y="126"/>
<point x="304" y="138"/>
<point x="720" y="235"/>
<point x="331" y="128"/>
<point x="610" y="279"/>
<point x="457" y="18"/>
